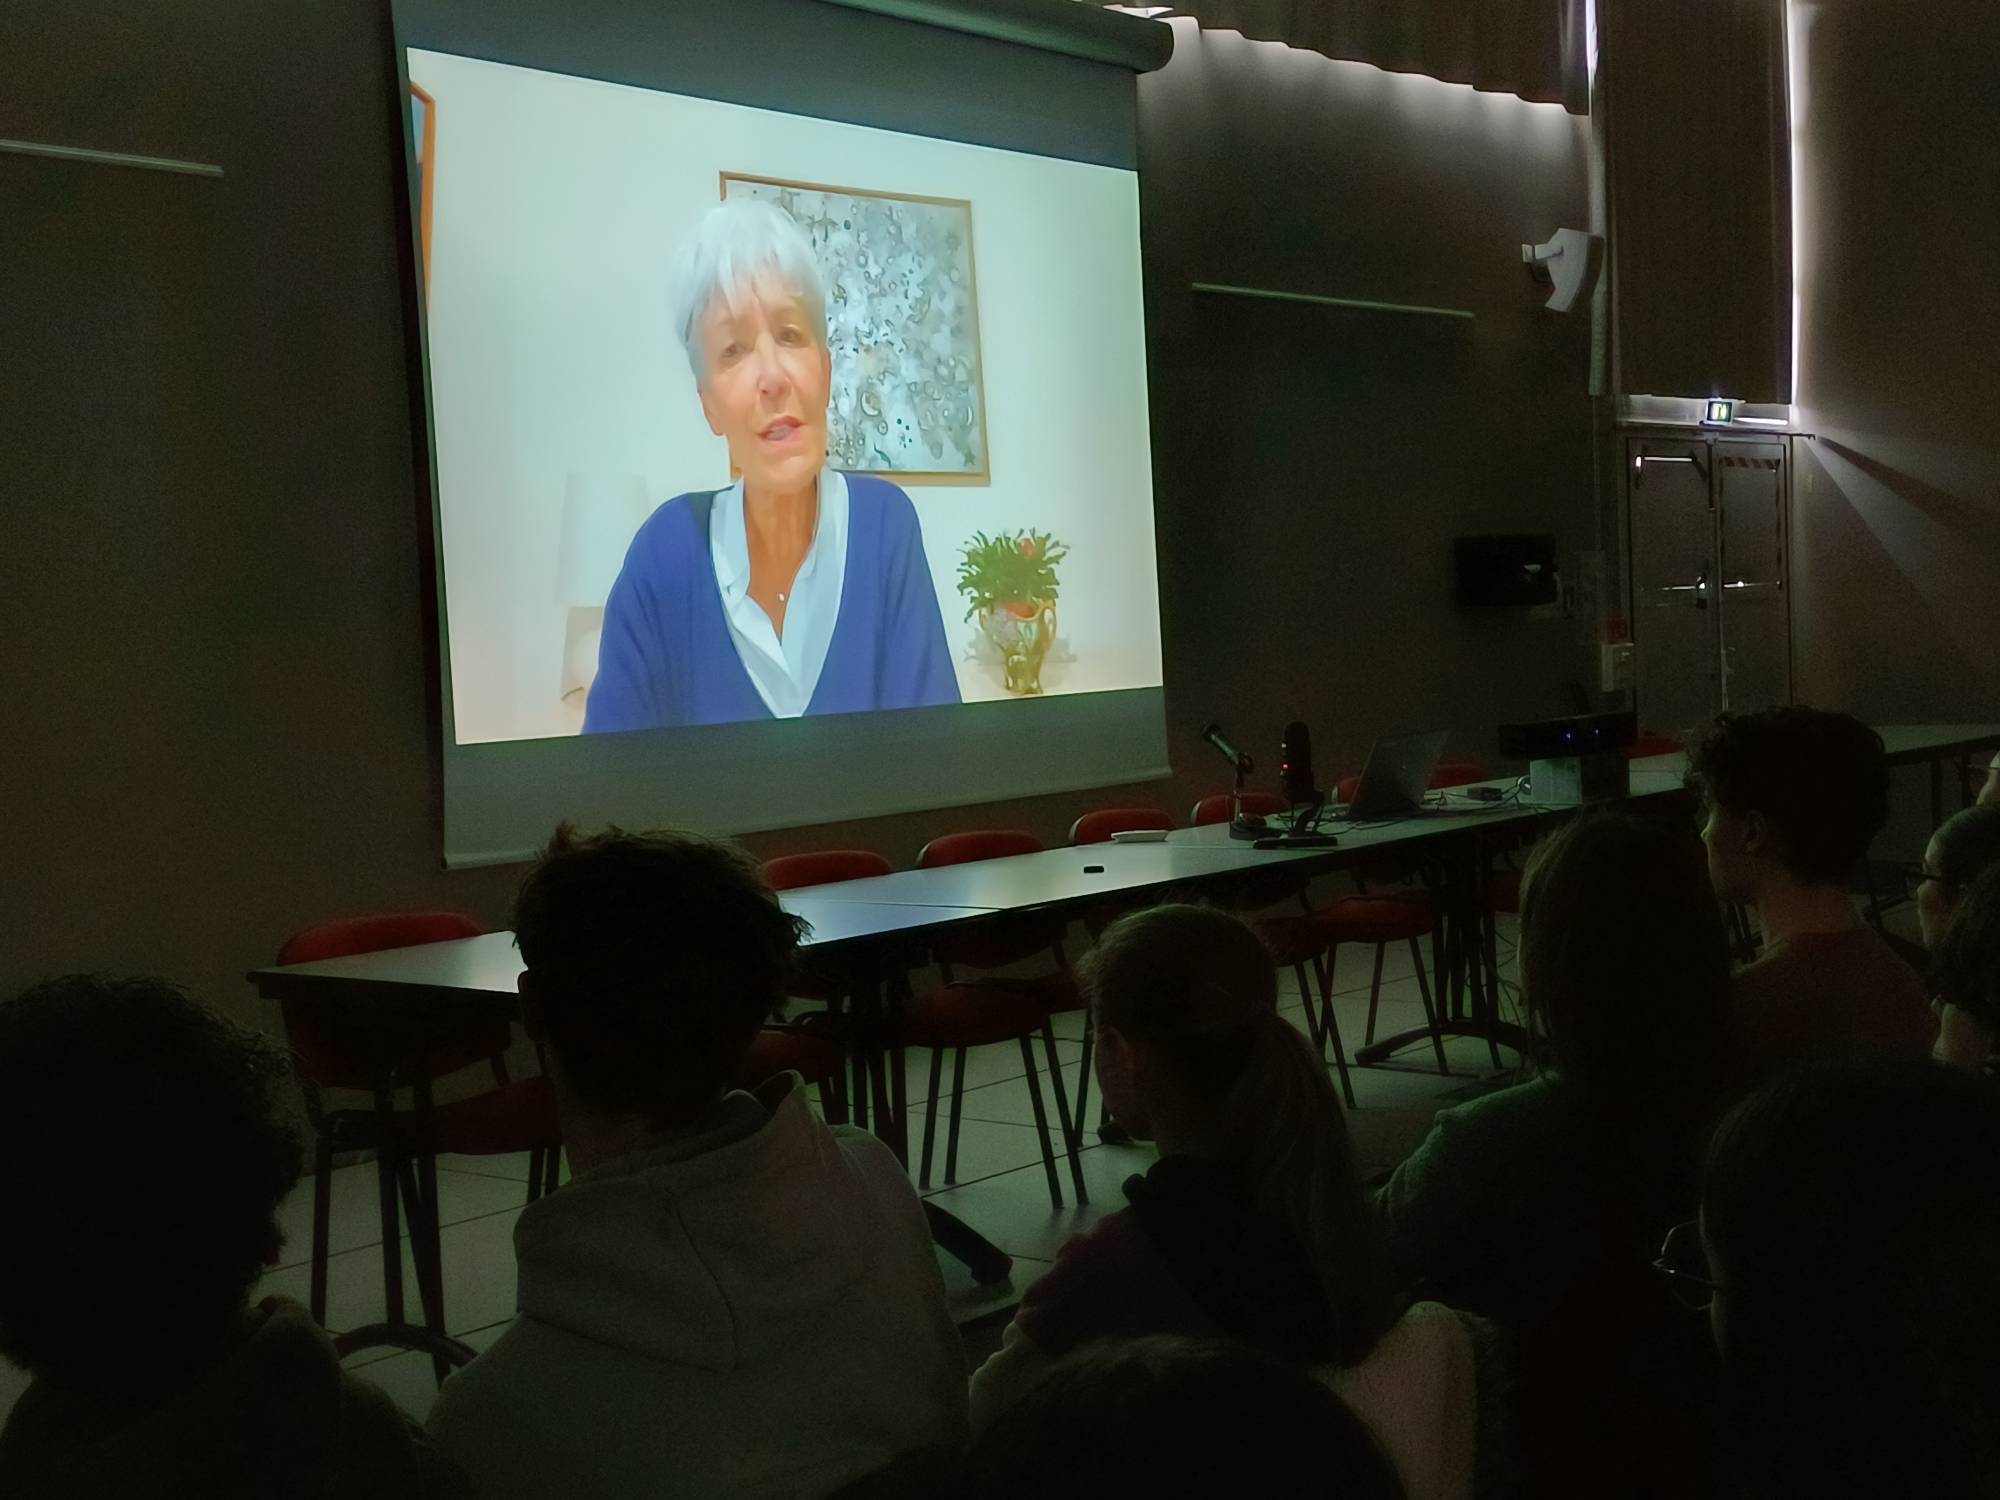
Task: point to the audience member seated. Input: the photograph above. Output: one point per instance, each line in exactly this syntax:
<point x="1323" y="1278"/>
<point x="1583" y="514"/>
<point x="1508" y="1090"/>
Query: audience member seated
<point x="730" y="1298"/>
<point x="1165" y="1418"/>
<point x="1967" y="975"/>
<point x="1793" y="798"/>
<point x="1252" y="1226"/>
<point x="1540" y="1205"/>
<point x="1849" y="1217"/>
<point x="143" y="1154"/>
<point x="1965" y="846"/>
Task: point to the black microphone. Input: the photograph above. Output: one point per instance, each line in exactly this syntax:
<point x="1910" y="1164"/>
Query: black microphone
<point x="1212" y="732"/>
<point x="1295" y="765"/>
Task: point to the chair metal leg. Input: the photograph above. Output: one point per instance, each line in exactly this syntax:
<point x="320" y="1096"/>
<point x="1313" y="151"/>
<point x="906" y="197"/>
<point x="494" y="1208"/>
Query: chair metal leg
<point x="322" y="1223"/>
<point x="534" y="1173"/>
<point x="898" y="1134"/>
<point x="1072" y="1126"/>
<point x="1430" y="1014"/>
<point x="426" y="1233"/>
<point x="957" y="1112"/>
<point x="426" y="1246"/>
<point x="930" y="1117"/>
<point x="1374" y="996"/>
<point x="552" y="1168"/>
<point x="1331" y="1031"/>
<point x="1314" y="1027"/>
<point x="1083" y="1072"/>
<point x="1041" y="1123"/>
<point x="388" y="1167"/>
<point x="858" y="1091"/>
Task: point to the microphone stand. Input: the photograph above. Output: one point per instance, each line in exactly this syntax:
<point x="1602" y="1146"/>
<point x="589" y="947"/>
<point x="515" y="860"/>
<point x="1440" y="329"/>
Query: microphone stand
<point x="1239" y="826"/>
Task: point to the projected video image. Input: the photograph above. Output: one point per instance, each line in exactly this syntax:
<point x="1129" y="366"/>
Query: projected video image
<point x="742" y="415"/>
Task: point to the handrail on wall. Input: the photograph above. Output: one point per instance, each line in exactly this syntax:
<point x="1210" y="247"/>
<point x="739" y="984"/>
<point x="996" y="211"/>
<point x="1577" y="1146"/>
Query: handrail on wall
<point x="1357" y="304"/>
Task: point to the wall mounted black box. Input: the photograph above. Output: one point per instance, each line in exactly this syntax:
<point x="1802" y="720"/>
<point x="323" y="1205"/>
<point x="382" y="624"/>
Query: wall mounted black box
<point x="1506" y="570"/>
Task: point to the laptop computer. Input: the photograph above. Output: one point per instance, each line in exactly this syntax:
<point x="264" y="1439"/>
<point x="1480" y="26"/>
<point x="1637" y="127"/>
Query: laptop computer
<point x="1397" y="776"/>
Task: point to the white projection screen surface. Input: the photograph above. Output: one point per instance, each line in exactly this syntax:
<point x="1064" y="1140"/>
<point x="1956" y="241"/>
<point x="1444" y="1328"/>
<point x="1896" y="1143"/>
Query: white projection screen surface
<point x="786" y="469"/>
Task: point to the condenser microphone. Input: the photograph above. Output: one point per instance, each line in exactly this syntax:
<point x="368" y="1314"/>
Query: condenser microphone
<point x="1212" y="732"/>
<point x="1295" y="765"/>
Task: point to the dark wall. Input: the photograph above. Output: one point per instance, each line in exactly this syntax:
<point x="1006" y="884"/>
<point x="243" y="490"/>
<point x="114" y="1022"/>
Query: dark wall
<point x="1896" y="529"/>
<point x="214" y="604"/>
<point x="1316" y="463"/>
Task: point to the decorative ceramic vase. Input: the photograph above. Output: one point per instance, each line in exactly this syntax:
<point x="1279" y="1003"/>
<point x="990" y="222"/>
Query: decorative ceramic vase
<point x="1022" y="632"/>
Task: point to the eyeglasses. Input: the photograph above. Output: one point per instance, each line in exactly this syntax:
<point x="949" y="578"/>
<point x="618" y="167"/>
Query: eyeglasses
<point x="1684" y="1264"/>
<point x="1915" y="874"/>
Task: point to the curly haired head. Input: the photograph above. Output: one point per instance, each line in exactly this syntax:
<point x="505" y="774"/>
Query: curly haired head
<point x="654" y="959"/>
<point x="1818" y="780"/>
<point x="143" y="1154"/>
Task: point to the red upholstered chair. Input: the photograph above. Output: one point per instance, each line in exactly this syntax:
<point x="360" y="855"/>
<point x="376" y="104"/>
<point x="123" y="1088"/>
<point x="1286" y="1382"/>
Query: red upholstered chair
<point x="1378" y="921"/>
<point x="1296" y="942"/>
<point x="819" y="1050"/>
<point x="788" y="872"/>
<point x="1097" y="829"/>
<point x="1381" y="918"/>
<point x="987" y="1009"/>
<point x="1215" y="807"/>
<point x="1314" y="938"/>
<point x="1652" y="742"/>
<point x="817" y="1058"/>
<point x="1097" y="826"/>
<point x="1461" y="772"/>
<point x="515" y="1115"/>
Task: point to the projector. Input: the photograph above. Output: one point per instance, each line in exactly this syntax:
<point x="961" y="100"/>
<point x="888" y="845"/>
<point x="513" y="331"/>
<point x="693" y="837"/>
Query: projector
<point x="1573" y="760"/>
<point x="1583" y="735"/>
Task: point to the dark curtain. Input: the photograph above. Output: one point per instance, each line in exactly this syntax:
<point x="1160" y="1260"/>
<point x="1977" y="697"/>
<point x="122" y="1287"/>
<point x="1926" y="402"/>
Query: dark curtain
<point x="1698" y="148"/>
<point x="1533" y="48"/>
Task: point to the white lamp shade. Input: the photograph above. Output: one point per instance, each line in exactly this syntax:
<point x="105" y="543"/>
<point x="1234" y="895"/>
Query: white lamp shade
<point x="601" y="513"/>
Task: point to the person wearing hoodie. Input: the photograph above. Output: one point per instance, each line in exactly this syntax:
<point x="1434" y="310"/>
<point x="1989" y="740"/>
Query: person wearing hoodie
<point x="143" y="1156"/>
<point x="730" y="1298"/>
<point x="1253" y="1225"/>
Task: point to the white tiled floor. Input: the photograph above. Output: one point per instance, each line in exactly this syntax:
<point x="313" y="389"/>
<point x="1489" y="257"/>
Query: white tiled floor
<point x="1001" y="1189"/>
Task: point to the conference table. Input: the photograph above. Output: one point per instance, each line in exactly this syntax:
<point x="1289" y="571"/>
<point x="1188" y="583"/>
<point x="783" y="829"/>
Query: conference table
<point x="874" y="931"/>
<point x="1935" y="744"/>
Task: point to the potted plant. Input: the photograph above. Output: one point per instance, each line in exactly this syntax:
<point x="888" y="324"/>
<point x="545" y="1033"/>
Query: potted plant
<point x="1010" y="585"/>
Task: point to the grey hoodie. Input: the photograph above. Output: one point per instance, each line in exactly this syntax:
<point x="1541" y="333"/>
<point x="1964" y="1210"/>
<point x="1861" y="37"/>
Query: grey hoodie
<point x="755" y="1310"/>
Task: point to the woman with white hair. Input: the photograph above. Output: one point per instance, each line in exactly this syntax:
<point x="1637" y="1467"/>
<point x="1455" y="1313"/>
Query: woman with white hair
<point x="797" y="589"/>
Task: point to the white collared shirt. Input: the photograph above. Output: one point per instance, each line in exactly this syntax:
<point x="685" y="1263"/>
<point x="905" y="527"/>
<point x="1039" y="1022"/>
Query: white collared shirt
<point x="785" y="671"/>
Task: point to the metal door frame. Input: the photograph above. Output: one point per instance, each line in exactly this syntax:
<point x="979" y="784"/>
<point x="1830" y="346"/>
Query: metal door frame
<point x="1631" y="469"/>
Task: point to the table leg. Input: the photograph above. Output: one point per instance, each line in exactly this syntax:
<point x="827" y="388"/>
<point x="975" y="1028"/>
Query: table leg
<point x="388" y="1172"/>
<point x="1937" y="791"/>
<point x="1458" y="963"/>
<point x="1473" y="916"/>
<point x="878" y="1001"/>
<point x="426" y="1229"/>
